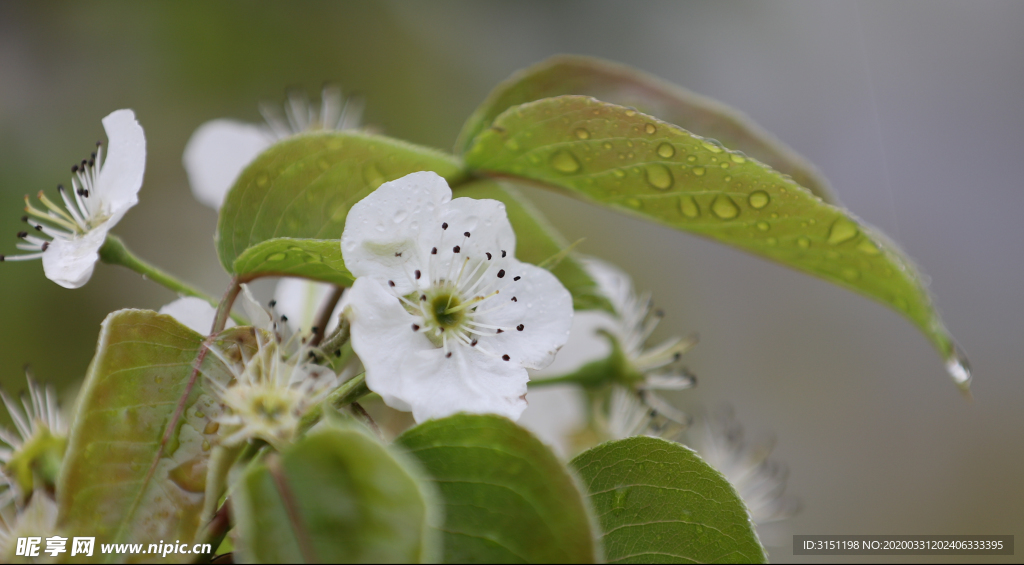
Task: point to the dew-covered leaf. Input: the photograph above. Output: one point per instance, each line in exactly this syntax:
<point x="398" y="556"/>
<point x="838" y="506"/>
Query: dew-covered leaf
<point x="538" y="242"/>
<point x="634" y="163"/>
<point x="336" y="496"/>
<point x="507" y="497"/>
<point x="658" y="502"/>
<point x="626" y="86"/>
<point x="301" y="190"/>
<point x="117" y="483"/>
<point x="318" y="259"/>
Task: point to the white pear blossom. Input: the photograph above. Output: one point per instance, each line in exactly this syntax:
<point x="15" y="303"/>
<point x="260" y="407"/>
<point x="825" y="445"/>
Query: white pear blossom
<point x="68" y="238"/>
<point x="38" y="518"/>
<point x="443" y="317"/>
<point x="220" y="149"/>
<point x="760" y="481"/>
<point x="36" y="447"/>
<point x="624" y="334"/>
<point x="272" y="389"/>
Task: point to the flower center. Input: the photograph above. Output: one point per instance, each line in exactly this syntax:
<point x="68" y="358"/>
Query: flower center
<point x="447" y="314"/>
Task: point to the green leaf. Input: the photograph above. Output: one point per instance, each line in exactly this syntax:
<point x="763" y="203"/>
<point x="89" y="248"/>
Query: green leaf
<point x="297" y="194"/>
<point x="658" y="502"/>
<point x="643" y="166"/>
<point x="336" y="496"/>
<point x="507" y="498"/>
<point x="318" y="259"/>
<point x="537" y="241"/>
<point x="109" y="485"/>
<point x="626" y="86"/>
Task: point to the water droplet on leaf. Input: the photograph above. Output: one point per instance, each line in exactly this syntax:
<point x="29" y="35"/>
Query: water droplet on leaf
<point x="659" y="176"/>
<point x="688" y="207"/>
<point x="724" y="207"/>
<point x="564" y="162"/>
<point x="666" y="151"/>
<point x="758" y="199"/>
<point x="582" y="133"/>
<point x="711" y="147"/>
<point x="842" y="230"/>
<point x="649" y="128"/>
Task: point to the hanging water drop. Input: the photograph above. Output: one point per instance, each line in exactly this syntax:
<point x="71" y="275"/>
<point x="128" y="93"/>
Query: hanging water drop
<point x="958" y="368"/>
<point x="736" y="158"/>
<point x="724" y="207"/>
<point x="758" y="199"/>
<point x="564" y="162"/>
<point x="659" y="176"/>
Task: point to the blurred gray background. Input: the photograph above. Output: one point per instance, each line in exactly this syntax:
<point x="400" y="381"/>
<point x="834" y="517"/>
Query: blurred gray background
<point x="913" y="110"/>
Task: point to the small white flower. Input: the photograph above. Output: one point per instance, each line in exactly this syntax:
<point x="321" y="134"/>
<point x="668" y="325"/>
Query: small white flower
<point x="37" y="447"/>
<point x="760" y="482"/>
<point x="36" y="519"/>
<point x="644" y="370"/>
<point x="271" y="390"/>
<point x="70" y="237"/>
<point x="444" y="318"/>
<point x="220" y="149"/>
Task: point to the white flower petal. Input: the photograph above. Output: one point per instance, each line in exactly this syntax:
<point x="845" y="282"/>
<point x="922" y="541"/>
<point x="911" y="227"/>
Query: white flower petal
<point x="383" y="338"/>
<point x="487" y="223"/>
<point x="543" y="308"/>
<point x="668" y="380"/>
<point x="411" y="374"/>
<point x="194" y="313"/>
<point x="554" y="413"/>
<point x="217" y="153"/>
<point x="300" y="299"/>
<point x="120" y="178"/>
<point x="70" y="262"/>
<point x="400" y="217"/>
<point x="465" y="382"/>
<point x="258" y="316"/>
<point x="585" y="344"/>
<point x="613" y="282"/>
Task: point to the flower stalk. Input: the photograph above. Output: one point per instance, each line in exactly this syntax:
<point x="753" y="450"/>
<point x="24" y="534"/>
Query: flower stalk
<point x="114" y="252"/>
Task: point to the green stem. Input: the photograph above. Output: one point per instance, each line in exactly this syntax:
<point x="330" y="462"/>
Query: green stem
<point x="349" y="392"/>
<point x="114" y="252"/>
